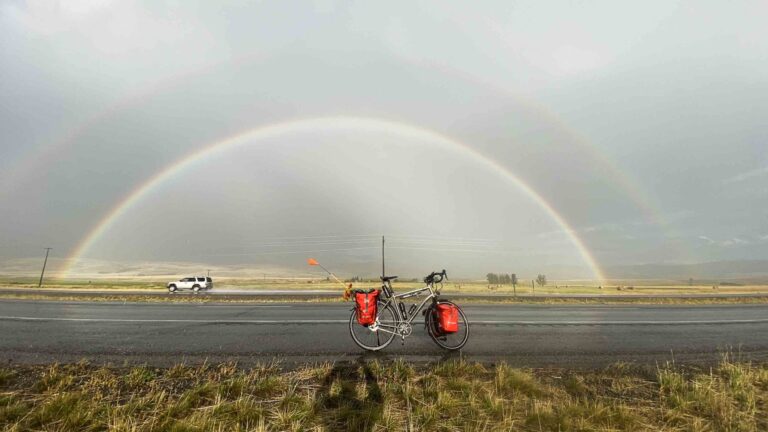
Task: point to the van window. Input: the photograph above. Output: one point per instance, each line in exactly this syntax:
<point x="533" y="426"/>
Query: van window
<point x="189" y="279"/>
<point x="208" y="279"/>
<point x="201" y="279"/>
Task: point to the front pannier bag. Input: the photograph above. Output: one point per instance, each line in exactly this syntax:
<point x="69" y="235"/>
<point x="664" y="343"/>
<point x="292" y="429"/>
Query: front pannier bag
<point x="448" y="316"/>
<point x="365" y="304"/>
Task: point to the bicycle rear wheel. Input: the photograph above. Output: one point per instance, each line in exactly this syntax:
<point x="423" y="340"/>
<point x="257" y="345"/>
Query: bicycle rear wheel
<point x="378" y="335"/>
<point x="449" y="341"/>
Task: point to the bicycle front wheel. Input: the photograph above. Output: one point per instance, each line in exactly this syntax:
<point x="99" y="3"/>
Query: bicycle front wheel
<point x="375" y="336"/>
<point x="449" y="341"/>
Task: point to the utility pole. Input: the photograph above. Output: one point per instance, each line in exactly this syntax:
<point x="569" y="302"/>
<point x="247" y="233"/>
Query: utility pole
<point x="382" y="257"/>
<point x="209" y="273"/>
<point x="533" y="288"/>
<point x="47" y="250"/>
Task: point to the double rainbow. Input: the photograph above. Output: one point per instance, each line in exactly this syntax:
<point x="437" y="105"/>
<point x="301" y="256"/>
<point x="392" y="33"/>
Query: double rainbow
<point x="320" y="124"/>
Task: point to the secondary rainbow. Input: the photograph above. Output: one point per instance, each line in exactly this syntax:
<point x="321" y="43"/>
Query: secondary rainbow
<point x="40" y="158"/>
<point x="316" y="125"/>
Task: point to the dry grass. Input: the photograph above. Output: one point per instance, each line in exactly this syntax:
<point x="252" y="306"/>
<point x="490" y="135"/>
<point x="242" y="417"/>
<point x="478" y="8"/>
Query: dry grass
<point x="202" y="299"/>
<point x="452" y="287"/>
<point x="375" y="396"/>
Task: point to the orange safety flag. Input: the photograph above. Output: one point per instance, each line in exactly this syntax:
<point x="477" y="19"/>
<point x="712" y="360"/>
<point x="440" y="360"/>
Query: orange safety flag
<point x="312" y="262"/>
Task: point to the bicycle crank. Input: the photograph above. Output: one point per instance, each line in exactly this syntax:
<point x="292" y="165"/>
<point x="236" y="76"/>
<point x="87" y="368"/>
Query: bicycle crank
<point x="404" y="329"/>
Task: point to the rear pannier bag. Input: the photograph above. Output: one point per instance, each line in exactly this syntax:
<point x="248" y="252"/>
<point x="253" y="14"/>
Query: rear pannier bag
<point x="448" y="316"/>
<point x="365" y="304"/>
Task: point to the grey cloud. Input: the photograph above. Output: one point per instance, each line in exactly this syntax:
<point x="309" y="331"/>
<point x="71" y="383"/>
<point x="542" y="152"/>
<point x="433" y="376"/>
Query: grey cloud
<point x="642" y="126"/>
<point x="760" y="172"/>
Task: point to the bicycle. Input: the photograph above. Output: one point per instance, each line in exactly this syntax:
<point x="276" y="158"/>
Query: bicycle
<point x="392" y="319"/>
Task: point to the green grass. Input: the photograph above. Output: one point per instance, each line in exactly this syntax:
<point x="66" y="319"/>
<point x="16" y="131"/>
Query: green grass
<point x="384" y="396"/>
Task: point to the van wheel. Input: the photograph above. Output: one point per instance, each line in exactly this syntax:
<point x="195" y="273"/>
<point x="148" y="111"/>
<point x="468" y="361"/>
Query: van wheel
<point x="196" y="288"/>
<point x="172" y="288"/>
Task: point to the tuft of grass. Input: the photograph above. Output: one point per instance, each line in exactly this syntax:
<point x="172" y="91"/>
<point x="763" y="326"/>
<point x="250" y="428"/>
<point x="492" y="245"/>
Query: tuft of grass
<point x="453" y="395"/>
<point x="6" y="376"/>
<point x="730" y="397"/>
<point x="515" y="382"/>
<point x="139" y="376"/>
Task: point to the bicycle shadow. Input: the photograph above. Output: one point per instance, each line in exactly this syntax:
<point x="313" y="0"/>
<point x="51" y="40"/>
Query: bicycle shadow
<point x="342" y="405"/>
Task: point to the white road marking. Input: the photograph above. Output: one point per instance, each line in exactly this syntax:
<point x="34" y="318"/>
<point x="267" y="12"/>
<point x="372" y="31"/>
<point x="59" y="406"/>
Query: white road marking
<point x="185" y="321"/>
<point x="291" y="321"/>
<point x="244" y="306"/>
<point x="740" y="321"/>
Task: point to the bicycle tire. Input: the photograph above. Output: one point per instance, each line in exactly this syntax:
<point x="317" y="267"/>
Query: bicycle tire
<point x="445" y="340"/>
<point x="386" y="317"/>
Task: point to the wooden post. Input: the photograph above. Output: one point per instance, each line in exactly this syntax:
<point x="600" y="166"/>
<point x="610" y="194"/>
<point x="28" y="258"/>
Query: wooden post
<point x="40" y="284"/>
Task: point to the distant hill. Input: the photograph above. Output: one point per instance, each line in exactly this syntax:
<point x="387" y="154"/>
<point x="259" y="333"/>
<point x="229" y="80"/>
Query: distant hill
<point x="155" y="270"/>
<point x="751" y="270"/>
<point x="747" y="271"/>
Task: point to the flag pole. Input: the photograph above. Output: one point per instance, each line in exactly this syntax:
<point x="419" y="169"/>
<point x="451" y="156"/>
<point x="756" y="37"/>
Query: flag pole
<point x="312" y="261"/>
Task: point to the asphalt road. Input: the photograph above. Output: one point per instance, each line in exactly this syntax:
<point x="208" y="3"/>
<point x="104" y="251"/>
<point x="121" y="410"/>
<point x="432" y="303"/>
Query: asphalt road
<point x="525" y="335"/>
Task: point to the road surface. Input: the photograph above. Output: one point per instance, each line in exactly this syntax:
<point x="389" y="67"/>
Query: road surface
<point x="524" y="335"/>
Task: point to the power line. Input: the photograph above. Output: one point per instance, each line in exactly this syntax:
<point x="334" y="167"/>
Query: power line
<point x="285" y="252"/>
<point x="401" y="241"/>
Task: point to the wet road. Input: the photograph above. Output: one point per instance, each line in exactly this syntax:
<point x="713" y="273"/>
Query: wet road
<point x="525" y="335"/>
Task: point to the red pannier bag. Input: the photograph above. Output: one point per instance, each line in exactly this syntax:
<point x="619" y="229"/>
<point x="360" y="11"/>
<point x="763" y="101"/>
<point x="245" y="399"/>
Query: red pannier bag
<point x="365" y="304"/>
<point x="448" y="316"/>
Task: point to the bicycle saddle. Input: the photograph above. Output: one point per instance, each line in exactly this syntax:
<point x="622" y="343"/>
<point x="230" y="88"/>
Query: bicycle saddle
<point x="388" y="278"/>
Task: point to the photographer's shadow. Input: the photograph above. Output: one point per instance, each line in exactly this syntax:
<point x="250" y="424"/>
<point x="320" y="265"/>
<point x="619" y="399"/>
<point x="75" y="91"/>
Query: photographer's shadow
<point x="344" y="406"/>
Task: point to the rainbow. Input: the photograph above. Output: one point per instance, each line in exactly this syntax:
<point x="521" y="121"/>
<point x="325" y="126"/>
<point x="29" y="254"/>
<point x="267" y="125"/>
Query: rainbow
<point x="318" y="124"/>
<point x="38" y="159"/>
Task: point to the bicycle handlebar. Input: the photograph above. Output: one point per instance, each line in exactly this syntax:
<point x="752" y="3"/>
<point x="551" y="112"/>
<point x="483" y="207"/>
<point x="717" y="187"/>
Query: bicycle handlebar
<point x="436" y="277"/>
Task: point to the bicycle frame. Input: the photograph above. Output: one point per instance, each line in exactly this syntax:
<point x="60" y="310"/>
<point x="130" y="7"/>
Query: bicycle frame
<point x="397" y="299"/>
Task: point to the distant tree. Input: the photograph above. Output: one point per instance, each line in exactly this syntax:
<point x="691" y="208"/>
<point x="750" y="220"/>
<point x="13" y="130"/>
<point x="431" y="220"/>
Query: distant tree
<point x="493" y="278"/>
<point x="504" y="279"/>
<point x="690" y="282"/>
<point x="541" y="280"/>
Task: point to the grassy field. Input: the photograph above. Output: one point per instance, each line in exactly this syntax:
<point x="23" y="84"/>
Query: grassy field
<point x="203" y="299"/>
<point x="376" y="396"/>
<point x="471" y="287"/>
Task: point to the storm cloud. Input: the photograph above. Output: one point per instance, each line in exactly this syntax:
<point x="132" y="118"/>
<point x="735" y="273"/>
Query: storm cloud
<point x="515" y="137"/>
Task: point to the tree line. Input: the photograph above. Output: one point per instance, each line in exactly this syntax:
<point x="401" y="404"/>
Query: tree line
<point x="501" y="279"/>
<point x="511" y="279"/>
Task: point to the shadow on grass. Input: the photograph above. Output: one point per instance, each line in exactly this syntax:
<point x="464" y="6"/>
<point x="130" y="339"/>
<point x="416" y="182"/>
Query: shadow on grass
<point x="350" y="398"/>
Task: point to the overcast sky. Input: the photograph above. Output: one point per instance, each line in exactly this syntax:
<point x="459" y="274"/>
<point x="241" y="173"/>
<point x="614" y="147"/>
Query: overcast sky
<point x="643" y="125"/>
